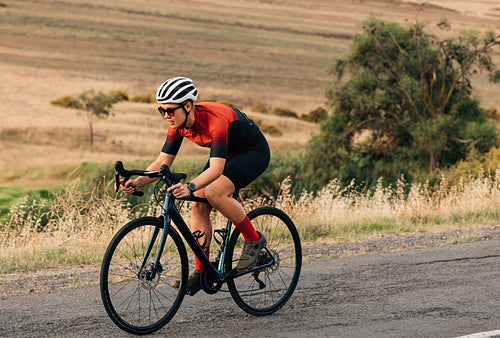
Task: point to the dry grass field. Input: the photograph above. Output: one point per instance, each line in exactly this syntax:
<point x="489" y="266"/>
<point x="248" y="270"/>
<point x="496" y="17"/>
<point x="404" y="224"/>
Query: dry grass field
<point x="274" y="53"/>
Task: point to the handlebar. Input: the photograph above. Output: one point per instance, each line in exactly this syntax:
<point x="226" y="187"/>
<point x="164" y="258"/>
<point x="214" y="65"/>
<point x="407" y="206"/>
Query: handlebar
<point x="164" y="174"/>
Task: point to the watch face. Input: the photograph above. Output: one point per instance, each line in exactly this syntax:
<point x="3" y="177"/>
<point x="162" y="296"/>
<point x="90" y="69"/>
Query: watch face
<point x="191" y="186"/>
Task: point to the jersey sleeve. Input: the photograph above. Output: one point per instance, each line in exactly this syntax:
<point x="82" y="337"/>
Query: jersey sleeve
<point x="172" y="143"/>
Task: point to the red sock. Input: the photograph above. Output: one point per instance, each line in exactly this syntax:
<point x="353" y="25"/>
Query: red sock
<point x="247" y="230"/>
<point x="197" y="263"/>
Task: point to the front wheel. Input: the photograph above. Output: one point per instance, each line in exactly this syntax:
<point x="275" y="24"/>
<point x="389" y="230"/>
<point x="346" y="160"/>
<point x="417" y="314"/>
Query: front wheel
<point x="136" y="302"/>
<point x="266" y="290"/>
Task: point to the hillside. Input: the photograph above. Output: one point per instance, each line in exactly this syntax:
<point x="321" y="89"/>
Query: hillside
<point x="274" y="53"/>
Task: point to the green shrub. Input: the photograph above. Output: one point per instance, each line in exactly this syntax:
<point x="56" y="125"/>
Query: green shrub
<point x="68" y="102"/>
<point x="271" y="130"/>
<point x="285" y="112"/>
<point x="144" y="98"/>
<point x="118" y="95"/>
<point x="317" y="115"/>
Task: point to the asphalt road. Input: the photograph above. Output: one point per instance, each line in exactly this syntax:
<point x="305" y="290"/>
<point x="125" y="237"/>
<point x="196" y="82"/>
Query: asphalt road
<point x="445" y="291"/>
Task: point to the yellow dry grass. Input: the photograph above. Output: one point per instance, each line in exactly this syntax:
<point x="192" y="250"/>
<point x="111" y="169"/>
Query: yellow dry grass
<point x="79" y="229"/>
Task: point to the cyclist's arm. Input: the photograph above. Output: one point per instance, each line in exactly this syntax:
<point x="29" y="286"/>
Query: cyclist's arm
<point x="130" y="186"/>
<point x="211" y="174"/>
<point x="205" y="178"/>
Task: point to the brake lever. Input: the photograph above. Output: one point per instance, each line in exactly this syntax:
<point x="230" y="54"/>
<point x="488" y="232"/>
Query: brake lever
<point x="138" y="193"/>
<point x="118" y="166"/>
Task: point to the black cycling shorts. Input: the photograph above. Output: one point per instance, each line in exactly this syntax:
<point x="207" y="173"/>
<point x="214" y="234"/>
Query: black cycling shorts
<point x="245" y="165"/>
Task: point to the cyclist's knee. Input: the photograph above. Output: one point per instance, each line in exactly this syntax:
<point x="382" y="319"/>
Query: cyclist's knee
<point x="214" y="195"/>
<point x="219" y="190"/>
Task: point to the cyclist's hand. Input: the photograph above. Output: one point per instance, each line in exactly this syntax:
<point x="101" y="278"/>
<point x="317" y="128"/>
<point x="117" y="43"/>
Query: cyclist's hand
<point x="129" y="187"/>
<point x="180" y="190"/>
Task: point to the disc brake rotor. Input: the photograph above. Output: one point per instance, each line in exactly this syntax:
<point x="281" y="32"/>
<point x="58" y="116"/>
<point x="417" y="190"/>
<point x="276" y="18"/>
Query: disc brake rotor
<point x="144" y="277"/>
<point x="266" y="258"/>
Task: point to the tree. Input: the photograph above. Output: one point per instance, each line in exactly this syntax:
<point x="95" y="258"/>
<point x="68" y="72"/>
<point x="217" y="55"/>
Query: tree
<point x="401" y="105"/>
<point x="96" y="105"/>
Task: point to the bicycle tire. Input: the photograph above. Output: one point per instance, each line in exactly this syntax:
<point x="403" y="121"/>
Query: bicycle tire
<point x="280" y="279"/>
<point x="134" y="303"/>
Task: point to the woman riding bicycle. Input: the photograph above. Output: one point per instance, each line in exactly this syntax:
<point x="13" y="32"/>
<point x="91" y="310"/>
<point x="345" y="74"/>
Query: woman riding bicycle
<point x="239" y="153"/>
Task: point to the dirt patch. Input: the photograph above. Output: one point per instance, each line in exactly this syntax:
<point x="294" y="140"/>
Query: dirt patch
<point x="88" y="275"/>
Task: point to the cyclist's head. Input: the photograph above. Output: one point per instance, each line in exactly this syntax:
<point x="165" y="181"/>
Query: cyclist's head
<point x="177" y="90"/>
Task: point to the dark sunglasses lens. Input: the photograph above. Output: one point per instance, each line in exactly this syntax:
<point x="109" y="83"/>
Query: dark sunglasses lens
<point x="169" y="111"/>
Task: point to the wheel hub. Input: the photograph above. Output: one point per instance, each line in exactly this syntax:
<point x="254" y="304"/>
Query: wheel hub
<point x="266" y="257"/>
<point x="147" y="282"/>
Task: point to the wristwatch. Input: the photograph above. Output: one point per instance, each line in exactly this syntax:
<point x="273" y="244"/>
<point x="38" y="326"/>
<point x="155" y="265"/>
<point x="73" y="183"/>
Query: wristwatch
<point x="191" y="187"/>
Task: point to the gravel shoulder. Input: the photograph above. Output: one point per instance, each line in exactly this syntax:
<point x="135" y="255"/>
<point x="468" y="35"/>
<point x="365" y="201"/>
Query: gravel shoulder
<point x="88" y="275"/>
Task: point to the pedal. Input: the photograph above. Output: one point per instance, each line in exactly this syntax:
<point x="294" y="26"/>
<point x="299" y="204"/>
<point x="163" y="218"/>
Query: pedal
<point x="194" y="291"/>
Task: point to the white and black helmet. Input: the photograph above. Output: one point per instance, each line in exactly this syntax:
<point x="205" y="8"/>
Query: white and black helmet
<point x="176" y="90"/>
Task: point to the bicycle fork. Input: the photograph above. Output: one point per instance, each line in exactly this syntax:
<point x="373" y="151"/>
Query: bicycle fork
<point x="156" y="265"/>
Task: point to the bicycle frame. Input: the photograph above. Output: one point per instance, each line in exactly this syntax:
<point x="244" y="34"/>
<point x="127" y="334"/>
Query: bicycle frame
<point x="171" y="213"/>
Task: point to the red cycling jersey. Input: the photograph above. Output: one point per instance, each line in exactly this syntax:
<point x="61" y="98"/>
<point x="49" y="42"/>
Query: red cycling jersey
<point x="211" y="129"/>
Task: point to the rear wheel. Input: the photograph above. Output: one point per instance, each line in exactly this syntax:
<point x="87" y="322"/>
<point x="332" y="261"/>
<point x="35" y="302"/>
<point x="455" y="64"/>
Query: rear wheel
<point x="266" y="290"/>
<point x="134" y="301"/>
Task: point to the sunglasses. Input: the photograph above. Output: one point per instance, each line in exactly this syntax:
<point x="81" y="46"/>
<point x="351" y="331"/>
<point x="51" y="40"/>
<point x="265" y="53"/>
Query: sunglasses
<point x="170" y="112"/>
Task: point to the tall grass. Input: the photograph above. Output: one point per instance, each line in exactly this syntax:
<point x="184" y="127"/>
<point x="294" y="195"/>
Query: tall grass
<point x="69" y="230"/>
<point x="76" y="227"/>
<point x="343" y="213"/>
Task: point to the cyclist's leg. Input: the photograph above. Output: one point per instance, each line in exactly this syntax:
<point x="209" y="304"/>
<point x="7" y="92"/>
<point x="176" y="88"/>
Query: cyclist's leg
<point x="201" y="226"/>
<point x="242" y="167"/>
<point x="202" y="231"/>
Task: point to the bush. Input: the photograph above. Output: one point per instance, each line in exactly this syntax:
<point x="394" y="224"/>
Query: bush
<point x="144" y="98"/>
<point x="285" y="112"/>
<point x="317" y="115"/>
<point x="118" y="95"/>
<point x="68" y="102"/>
<point x="271" y="130"/>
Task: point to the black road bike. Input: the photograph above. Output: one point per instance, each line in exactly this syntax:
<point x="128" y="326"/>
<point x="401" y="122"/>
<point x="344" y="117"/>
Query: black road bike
<point x="147" y="256"/>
